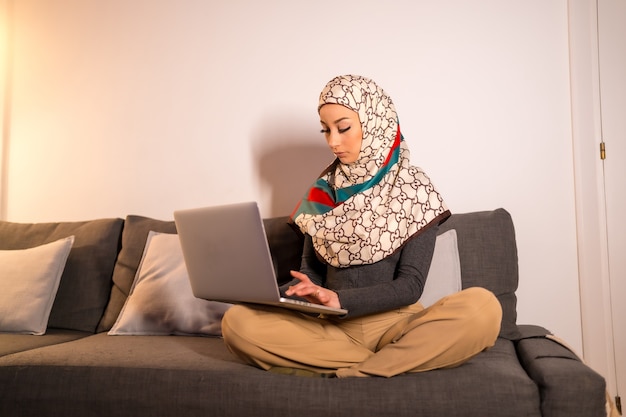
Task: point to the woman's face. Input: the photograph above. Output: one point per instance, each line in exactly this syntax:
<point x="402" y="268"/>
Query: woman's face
<point x="342" y="129"/>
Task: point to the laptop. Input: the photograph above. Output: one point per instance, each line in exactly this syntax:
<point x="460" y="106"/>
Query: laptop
<point x="228" y="258"/>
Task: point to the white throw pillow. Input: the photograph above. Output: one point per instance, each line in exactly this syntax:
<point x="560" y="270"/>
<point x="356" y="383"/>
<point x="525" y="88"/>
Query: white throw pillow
<point x="161" y="301"/>
<point x="29" y="280"/>
<point x="444" y="275"/>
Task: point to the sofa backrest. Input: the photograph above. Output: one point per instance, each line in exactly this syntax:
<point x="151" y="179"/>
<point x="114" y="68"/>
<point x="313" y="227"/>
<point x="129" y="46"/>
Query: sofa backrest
<point x="486" y="243"/>
<point x="86" y="281"/>
<point x="488" y="258"/>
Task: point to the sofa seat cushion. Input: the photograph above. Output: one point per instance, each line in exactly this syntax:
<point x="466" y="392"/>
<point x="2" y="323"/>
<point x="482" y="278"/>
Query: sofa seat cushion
<point x="104" y="351"/>
<point x="13" y="343"/>
<point x="197" y="376"/>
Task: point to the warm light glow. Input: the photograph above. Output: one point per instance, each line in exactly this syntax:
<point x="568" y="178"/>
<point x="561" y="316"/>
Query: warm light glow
<point x="5" y="17"/>
<point x="4" y="41"/>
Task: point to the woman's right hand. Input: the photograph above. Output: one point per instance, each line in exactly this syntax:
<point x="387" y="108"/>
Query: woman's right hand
<point x="311" y="292"/>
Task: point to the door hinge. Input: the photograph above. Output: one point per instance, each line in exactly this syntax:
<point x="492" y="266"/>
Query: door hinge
<point x="602" y="151"/>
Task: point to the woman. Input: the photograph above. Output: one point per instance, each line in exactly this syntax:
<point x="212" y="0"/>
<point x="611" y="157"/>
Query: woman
<point x="370" y="223"/>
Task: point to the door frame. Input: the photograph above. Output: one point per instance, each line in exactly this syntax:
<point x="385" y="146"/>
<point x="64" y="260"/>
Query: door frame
<point x="593" y="259"/>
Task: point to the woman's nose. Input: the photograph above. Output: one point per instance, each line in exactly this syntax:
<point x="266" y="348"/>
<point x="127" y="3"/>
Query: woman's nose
<point x="333" y="139"/>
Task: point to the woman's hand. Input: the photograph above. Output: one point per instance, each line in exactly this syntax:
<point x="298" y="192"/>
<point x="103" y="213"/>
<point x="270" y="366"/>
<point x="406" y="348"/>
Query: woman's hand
<point x="311" y="292"/>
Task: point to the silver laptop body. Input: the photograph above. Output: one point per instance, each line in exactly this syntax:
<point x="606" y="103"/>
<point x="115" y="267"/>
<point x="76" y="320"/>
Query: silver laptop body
<point x="228" y="258"/>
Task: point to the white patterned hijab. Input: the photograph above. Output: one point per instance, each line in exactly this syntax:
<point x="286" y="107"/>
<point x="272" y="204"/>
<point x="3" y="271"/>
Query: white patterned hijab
<point x="360" y="213"/>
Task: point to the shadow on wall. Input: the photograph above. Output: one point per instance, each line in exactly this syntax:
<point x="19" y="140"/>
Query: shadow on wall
<point x="286" y="170"/>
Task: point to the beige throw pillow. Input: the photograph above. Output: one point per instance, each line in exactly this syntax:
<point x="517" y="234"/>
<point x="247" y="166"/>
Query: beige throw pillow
<point x="161" y="301"/>
<point x="29" y="280"/>
<point x="444" y="275"/>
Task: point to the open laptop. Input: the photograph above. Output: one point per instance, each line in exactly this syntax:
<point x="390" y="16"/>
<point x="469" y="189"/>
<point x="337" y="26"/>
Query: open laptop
<point x="228" y="258"/>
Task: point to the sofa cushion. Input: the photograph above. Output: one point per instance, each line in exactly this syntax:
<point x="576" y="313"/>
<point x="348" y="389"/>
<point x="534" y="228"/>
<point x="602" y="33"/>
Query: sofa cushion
<point x="488" y="255"/>
<point x="134" y="237"/>
<point x="285" y="246"/>
<point x="161" y="301"/>
<point x="191" y="376"/>
<point x="29" y="280"/>
<point x="13" y="343"/>
<point x="86" y="281"/>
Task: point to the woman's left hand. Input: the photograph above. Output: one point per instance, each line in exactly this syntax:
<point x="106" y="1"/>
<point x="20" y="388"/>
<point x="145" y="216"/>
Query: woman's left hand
<point x="311" y="292"/>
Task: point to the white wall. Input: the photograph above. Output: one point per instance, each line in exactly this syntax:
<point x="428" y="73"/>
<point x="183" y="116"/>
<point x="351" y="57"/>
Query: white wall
<point x="147" y="106"/>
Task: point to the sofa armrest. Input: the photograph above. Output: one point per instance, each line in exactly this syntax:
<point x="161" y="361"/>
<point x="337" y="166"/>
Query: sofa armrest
<point x="567" y="386"/>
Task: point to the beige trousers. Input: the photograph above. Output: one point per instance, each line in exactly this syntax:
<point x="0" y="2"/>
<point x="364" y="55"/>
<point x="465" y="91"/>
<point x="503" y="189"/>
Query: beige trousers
<point x="410" y="339"/>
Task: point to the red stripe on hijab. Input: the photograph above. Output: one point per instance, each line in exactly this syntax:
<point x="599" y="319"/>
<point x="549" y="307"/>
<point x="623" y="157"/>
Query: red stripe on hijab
<point x="395" y="145"/>
<point x="321" y="197"/>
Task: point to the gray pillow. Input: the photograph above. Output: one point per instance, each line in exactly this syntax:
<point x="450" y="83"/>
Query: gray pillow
<point x="86" y="281"/>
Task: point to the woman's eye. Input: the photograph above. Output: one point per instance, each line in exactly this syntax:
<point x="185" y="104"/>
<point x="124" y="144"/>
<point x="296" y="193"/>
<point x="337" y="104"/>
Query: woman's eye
<point x="327" y="130"/>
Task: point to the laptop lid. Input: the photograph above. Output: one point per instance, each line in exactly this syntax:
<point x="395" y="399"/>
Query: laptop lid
<point x="228" y="257"/>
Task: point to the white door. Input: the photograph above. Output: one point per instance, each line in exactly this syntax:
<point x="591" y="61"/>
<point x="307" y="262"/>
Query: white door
<point x="612" y="66"/>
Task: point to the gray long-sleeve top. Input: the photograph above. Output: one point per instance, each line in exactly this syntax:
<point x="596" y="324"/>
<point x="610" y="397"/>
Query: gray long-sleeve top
<point x="391" y="283"/>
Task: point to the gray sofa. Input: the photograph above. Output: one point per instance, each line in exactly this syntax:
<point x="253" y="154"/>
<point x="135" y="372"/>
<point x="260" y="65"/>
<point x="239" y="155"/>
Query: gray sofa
<point x="77" y="369"/>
